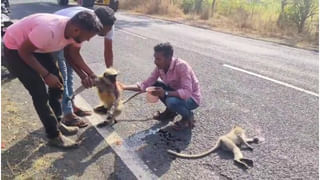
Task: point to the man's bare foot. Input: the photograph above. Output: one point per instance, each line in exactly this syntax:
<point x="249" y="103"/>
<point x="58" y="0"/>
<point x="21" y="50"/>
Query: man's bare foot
<point x="73" y="120"/>
<point x="80" y="112"/>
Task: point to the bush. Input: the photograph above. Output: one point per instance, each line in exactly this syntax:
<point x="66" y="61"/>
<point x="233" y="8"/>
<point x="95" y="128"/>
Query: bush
<point x="187" y="6"/>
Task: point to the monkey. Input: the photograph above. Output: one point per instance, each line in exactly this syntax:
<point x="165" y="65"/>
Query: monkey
<point x="227" y="142"/>
<point x="109" y="92"/>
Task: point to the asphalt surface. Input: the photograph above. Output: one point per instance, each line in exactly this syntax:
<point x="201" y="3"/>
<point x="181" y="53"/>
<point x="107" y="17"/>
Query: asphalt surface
<point x="285" y="119"/>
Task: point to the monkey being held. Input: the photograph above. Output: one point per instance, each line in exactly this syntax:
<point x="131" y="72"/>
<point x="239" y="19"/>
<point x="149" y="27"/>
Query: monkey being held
<point x="228" y="142"/>
<point x="109" y="92"/>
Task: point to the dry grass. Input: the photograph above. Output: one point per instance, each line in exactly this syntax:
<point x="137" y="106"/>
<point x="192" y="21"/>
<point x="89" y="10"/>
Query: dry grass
<point x="261" y="26"/>
<point x="157" y="7"/>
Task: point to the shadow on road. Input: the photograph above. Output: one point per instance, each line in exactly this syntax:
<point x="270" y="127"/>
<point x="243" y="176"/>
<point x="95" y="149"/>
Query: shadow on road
<point x="20" y="156"/>
<point x="75" y="163"/>
<point x="32" y="156"/>
<point x="135" y="120"/>
<point x="152" y="145"/>
<point x="6" y="76"/>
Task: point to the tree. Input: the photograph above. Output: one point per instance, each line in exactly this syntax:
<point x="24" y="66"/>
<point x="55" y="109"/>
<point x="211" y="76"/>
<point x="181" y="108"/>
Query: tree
<point x="198" y="6"/>
<point x="300" y="11"/>
<point x="282" y="13"/>
<point x="212" y="7"/>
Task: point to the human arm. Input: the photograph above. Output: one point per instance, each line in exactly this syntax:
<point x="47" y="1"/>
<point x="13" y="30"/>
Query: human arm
<point x="161" y="93"/>
<point x="72" y="54"/>
<point x="108" y="52"/>
<point x="142" y="86"/>
<point x="184" y="76"/>
<point x="150" y="80"/>
<point x="133" y="87"/>
<point x="26" y="53"/>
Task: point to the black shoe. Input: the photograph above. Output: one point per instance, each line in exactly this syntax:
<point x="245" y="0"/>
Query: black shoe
<point x="100" y="110"/>
<point x="184" y="123"/>
<point x="166" y="115"/>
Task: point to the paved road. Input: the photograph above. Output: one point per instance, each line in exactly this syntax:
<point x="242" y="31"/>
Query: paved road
<point x="274" y="95"/>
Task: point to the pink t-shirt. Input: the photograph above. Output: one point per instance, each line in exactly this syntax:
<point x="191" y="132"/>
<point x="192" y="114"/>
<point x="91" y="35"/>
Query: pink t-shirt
<point x="45" y="31"/>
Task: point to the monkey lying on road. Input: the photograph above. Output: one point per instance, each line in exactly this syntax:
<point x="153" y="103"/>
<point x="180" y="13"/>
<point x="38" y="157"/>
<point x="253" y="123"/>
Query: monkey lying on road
<point x="228" y="142"/>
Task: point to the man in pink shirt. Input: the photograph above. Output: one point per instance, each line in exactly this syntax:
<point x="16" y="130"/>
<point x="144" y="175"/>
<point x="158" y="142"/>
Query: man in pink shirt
<point x="28" y="44"/>
<point x="179" y="89"/>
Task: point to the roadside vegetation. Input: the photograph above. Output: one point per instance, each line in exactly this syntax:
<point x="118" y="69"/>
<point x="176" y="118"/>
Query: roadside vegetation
<point x="292" y="22"/>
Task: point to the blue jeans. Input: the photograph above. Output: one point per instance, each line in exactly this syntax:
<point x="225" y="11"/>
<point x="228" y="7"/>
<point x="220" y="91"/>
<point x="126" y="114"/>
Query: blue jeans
<point x="67" y="75"/>
<point x="176" y="104"/>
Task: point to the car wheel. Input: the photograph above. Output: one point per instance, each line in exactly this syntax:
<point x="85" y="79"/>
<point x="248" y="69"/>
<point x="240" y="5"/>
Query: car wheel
<point x="114" y="4"/>
<point x="87" y="3"/>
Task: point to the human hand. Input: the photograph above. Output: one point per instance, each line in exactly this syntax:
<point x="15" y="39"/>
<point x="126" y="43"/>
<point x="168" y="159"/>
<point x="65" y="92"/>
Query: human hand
<point x="159" y="91"/>
<point x="52" y="81"/>
<point x="88" y="81"/>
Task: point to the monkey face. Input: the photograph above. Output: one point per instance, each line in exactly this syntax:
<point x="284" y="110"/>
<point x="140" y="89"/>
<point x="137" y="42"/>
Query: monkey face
<point x="112" y="78"/>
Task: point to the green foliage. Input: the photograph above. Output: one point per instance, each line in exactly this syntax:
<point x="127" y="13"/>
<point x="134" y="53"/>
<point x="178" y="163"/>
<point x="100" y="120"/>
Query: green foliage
<point x="281" y="13"/>
<point x="300" y="10"/>
<point x="270" y="17"/>
<point x="187" y="6"/>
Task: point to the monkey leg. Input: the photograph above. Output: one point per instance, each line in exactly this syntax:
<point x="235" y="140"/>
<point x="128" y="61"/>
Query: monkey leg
<point x="249" y="162"/>
<point x="108" y="122"/>
<point x="238" y="158"/>
<point x="244" y="140"/>
<point x="117" y="109"/>
<point x="252" y="140"/>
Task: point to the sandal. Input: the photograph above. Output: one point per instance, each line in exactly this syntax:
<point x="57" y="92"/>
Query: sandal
<point x="75" y="122"/>
<point x="82" y="113"/>
<point x="166" y="115"/>
<point x="180" y="125"/>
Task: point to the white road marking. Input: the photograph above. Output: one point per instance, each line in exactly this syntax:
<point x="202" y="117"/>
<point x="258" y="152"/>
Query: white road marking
<point x="129" y="157"/>
<point x="133" y="34"/>
<point x="272" y="80"/>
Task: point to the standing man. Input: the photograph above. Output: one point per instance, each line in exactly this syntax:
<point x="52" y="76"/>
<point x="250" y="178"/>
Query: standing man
<point x="70" y="110"/>
<point x="179" y="89"/>
<point x="28" y="45"/>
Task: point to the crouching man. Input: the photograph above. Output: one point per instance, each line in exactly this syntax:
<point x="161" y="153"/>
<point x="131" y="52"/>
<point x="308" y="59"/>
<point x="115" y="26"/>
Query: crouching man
<point x="179" y="87"/>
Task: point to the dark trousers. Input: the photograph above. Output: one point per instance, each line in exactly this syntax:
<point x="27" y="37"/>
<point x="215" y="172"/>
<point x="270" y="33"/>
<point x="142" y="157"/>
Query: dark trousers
<point x="46" y="102"/>
<point x="176" y="104"/>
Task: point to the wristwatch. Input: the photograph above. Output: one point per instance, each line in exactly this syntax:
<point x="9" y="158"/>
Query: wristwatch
<point x="166" y="93"/>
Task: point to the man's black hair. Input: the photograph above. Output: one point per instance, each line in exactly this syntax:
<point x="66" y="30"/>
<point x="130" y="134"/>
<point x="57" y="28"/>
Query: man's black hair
<point x="86" y="20"/>
<point x="105" y="15"/>
<point x="165" y="48"/>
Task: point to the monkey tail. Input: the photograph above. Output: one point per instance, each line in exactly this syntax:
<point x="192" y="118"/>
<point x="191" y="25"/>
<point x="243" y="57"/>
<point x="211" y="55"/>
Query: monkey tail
<point x="134" y="95"/>
<point x="194" y="156"/>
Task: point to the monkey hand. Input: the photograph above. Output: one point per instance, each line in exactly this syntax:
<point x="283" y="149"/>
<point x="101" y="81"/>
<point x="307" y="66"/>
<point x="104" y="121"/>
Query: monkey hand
<point x="256" y="140"/>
